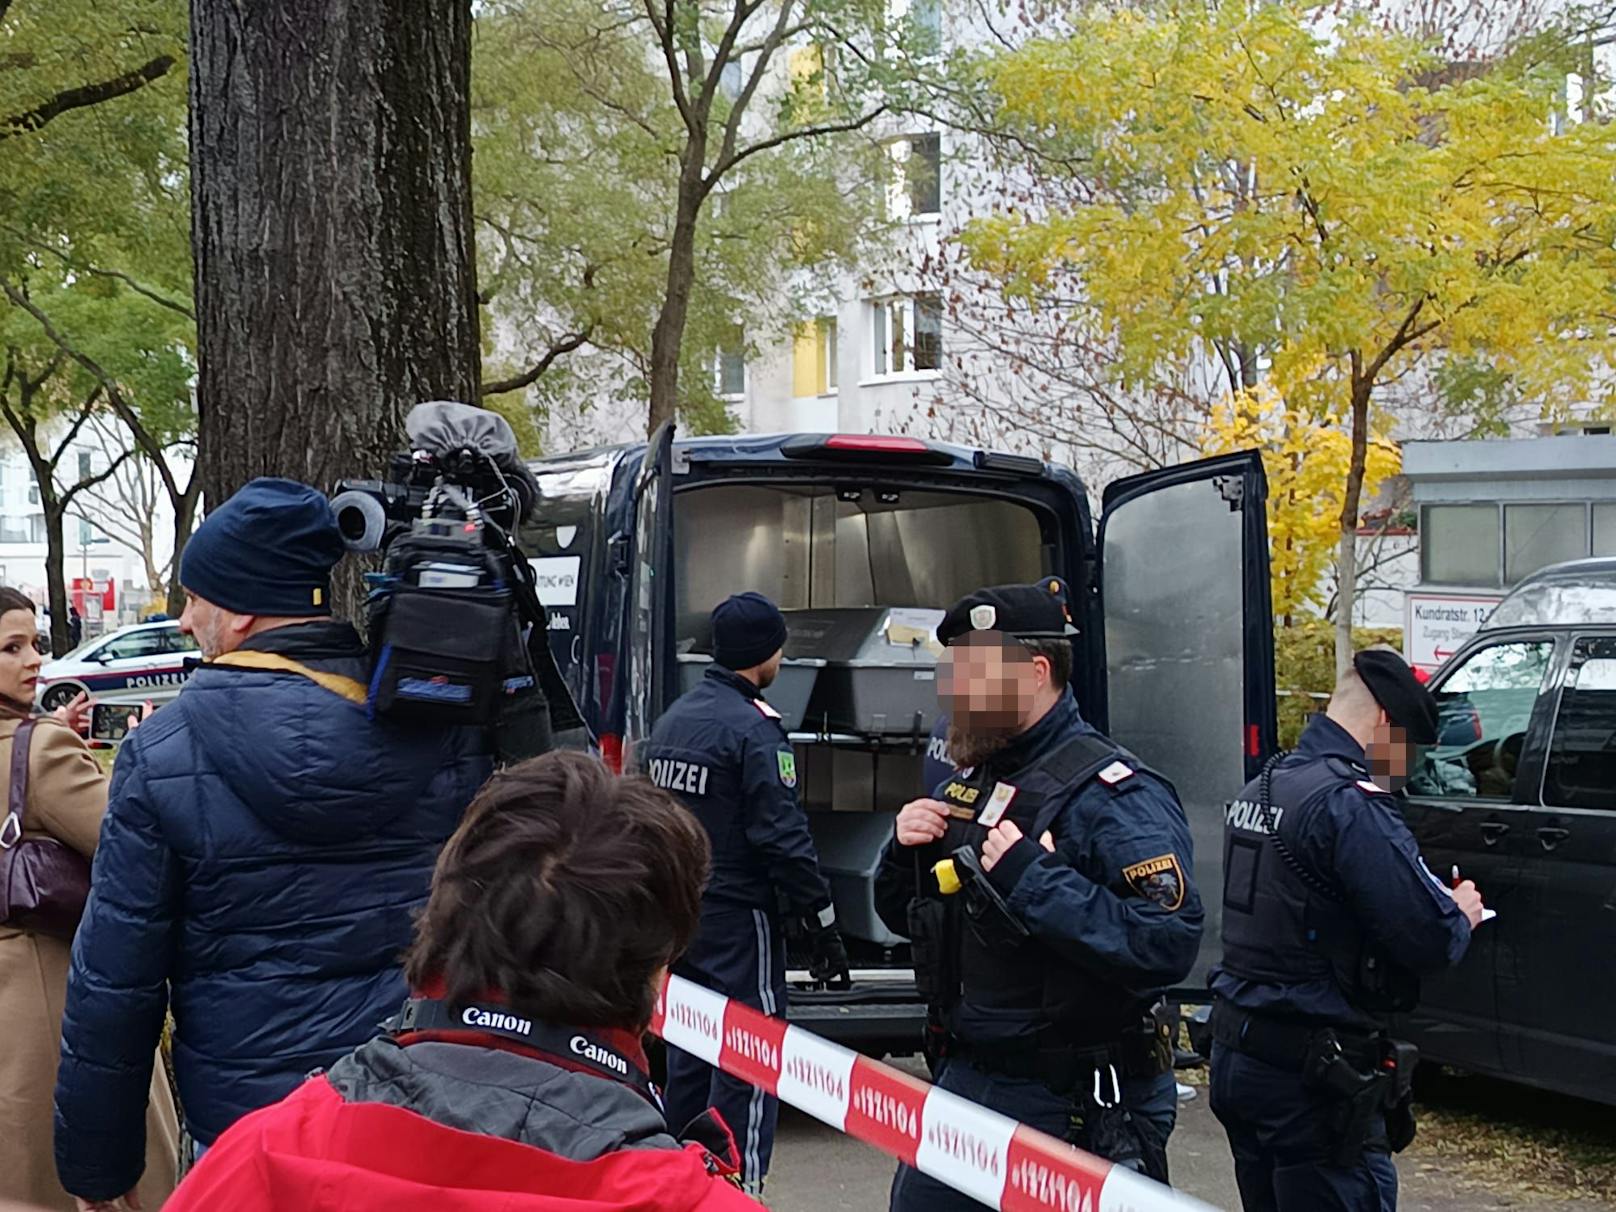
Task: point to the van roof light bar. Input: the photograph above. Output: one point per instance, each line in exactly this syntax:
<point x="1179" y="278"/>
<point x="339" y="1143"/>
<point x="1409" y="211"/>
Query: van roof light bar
<point x="865" y="448"/>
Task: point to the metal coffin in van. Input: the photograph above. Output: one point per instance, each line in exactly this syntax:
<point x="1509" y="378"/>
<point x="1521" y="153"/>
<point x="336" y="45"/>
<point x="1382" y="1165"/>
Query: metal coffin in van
<point x="880" y="668"/>
<point x="789" y="695"/>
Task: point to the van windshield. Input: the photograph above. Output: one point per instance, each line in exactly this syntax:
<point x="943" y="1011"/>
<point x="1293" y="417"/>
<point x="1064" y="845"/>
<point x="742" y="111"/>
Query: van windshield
<point x="828" y="546"/>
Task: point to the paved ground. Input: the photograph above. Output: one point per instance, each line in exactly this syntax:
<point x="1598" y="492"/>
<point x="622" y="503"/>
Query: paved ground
<point x="816" y="1169"/>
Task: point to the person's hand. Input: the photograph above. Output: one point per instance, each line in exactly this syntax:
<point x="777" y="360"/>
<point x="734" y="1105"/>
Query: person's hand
<point x="128" y="1202"/>
<point x="134" y="720"/>
<point x="829" y="963"/>
<point x="1468" y="899"/>
<point x="922" y="821"/>
<point x="1004" y="836"/>
<point x="76" y="715"/>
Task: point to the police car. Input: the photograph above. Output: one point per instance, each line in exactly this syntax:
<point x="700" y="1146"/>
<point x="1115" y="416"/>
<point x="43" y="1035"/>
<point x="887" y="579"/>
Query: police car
<point x="147" y="658"/>
<point x="1519" y="794"/>
<point x="863" y="541"/>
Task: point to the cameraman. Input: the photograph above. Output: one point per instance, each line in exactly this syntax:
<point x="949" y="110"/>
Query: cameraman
<point x="514" y="1078"/>
<point x="264" y="849"/>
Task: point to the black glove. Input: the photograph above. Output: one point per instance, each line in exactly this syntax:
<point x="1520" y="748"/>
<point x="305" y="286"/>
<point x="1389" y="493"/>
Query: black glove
<point x="829" y="964"/>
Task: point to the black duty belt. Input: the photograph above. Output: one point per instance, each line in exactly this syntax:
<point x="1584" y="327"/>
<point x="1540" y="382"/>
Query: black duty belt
<point x="1286" y="1043"/>
<point x="1060" y="1066"/>
<point x="572" y="1046"/>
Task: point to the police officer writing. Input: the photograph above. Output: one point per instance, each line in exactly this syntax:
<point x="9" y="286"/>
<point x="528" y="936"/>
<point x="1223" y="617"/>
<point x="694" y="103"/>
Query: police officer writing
<point x="1329" y="916"/>
<point x="1045" y="887"/>
<point x="721" y="749"/>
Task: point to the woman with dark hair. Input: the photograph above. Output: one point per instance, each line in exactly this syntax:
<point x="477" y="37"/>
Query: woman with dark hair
<point x="65" y="798"/>
<point x="513" y="1079"/>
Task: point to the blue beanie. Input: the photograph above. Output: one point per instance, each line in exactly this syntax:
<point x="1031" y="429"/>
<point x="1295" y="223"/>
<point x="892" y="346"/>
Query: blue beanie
<point x="748" y="629"/>
<point x="268" y="550"/>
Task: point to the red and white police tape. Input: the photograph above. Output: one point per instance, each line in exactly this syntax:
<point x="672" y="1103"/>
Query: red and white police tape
<point x="990" y="1157"/>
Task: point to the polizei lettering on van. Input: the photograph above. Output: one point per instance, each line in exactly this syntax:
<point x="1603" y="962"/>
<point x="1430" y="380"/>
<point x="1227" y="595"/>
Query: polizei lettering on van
<point x="672" y="775"/>
<point x="603" y="1057"/>
<point x="495" y="1020"/>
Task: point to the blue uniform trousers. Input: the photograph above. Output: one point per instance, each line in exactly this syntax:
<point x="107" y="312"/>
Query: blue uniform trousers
<point x="738" y="952"/>
<point x="1279" y="1132"/>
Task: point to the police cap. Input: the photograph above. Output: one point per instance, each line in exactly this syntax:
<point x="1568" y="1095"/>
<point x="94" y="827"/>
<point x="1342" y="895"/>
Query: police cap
<point x="1027" y="612"/>
<point x="1406" y="703"/>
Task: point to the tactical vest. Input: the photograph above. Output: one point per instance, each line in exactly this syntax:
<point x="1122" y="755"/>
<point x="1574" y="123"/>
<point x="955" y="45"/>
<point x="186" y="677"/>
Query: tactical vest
<point x="1284" y="922"/>
<point x="1018" y="976"/>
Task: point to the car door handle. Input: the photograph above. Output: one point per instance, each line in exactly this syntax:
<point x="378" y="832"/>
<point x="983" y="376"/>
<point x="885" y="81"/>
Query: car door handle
<point x="1491" y="831"/>
<point x="1552" y="835"/>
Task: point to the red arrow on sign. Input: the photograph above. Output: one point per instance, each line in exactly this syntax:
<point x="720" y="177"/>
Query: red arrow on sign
<point x="1443" y="654"/>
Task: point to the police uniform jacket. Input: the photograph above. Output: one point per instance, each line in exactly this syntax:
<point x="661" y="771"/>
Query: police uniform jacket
<point x="1110" y="915"/>
<point x="722" y="750"/>
<point x="1311" y="938"/>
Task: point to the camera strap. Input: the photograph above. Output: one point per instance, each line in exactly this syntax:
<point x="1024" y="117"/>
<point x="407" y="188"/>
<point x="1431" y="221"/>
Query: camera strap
<point x="574" y="1048"/>
<point x="346" y="688"/>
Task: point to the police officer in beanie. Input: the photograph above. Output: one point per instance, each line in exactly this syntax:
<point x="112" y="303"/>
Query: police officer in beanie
<point x="1045" y="886"/>
<point x="1329" y="917"/>
<point x="722" y="750"/>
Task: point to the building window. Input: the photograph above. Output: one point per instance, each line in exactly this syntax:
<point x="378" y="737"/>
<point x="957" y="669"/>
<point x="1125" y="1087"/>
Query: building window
<point x="1459" y="545"/>
<point x="908" y="334"/>
<point x="86" y="462"/>
<point x="813" y="358"/>
<point x="731" y="79"/>
<point x="1536" y="536"/>
<point x="914" y="189"/>
<point x="1604" y="529"/>
<point x="731" y="369"/>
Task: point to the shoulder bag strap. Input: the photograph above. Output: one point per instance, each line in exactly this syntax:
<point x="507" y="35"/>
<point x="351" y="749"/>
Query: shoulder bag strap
<point x="18" y="792"/>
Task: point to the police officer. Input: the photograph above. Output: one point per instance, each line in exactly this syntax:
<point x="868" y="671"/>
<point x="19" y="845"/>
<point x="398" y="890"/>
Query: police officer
<point x="1148" y="1095"/>
<point x="722" y="750"/>
<point x="1045" y="886"/>
<point x="1329" y="915"/>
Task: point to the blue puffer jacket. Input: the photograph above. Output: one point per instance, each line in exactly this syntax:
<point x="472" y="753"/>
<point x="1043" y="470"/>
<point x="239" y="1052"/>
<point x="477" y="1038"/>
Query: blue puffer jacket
<point x="264" y="849"/>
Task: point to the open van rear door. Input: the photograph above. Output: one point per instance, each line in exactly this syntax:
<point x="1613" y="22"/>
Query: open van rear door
<point x="650" y="590"/>
<point x="1189" y="642"/>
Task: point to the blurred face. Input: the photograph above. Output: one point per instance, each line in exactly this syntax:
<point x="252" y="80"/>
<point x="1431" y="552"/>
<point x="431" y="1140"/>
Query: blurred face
<point x="1390" y="753"/>
<point x="769" y="670"/>
<point x="21" y="655"/>
<point x="216" y="629"/>
<point x="988" y="684"/>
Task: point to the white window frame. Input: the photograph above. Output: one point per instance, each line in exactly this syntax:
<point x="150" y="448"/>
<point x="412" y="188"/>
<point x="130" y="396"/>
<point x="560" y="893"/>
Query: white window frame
<point x="718" y="374"/>
<point x="900" y="194"/>
<point x="905" y="307"/>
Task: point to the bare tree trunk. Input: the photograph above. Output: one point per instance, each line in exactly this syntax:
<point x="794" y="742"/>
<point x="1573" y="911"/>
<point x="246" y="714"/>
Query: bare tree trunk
<point x="56" y="575"/>
<point x="1346" y="562"/>
<point x="331" y="219"/>
<point x="184" y="523"/>
<point x="667" y="337"/>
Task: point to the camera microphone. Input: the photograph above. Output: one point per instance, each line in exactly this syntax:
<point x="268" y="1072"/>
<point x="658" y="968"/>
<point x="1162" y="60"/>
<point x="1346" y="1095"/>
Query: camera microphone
<point x="361" y="518"/>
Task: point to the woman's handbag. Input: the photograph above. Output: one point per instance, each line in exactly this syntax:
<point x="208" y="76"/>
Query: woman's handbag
<point x="43" y="883"/>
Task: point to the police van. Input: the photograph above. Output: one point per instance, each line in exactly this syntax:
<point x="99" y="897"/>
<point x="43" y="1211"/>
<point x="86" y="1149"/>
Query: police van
<point x="1519" y="794"/>
<point x="863" y="541"/>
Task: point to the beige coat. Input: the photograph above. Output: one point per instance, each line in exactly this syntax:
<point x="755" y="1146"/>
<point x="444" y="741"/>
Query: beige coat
<point x="67" y="795"/>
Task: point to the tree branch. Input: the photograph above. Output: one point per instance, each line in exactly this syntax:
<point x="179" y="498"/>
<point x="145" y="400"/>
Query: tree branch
<point x="528" y="377"/>
<point x="99" y="478"/>
<point x="116" y="275"/>
<point x="663" y="25"/>
<point x="806" y="132"/>
<point x="84" y="96"/>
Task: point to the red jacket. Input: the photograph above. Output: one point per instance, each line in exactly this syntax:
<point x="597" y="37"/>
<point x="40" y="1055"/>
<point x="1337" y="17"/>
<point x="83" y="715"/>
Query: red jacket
<point x="315" y="1151"/>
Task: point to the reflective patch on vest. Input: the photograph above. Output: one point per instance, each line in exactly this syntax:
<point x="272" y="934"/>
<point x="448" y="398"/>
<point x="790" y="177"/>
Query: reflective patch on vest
<point x="961" y="799"/>
<point x="998" y="805"/>
<point x="1159" y="880"/>
<point x="1115" y="773"/>
<point x="689" y="778"/>
<point x="787" y="761"/>
<point x="1244" y="815"/>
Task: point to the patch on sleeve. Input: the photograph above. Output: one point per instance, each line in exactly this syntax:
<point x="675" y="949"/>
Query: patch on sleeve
<point x="1159" y="880"/>
<point x="765" y="710"/>
<point x="1115" y="773"/>
<point x="787" y="761"/>
<point x="1371" y="787"/>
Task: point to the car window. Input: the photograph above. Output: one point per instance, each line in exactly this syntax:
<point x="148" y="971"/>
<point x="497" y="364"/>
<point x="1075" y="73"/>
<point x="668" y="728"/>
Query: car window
<point x="1582" y="755"/>
<point x="135" y="644"/>
<point x="175" y="640"/>
<point x="1484" y="708"/>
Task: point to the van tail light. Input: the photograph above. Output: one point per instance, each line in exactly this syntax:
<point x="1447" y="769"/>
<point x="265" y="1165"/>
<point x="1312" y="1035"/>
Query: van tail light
<point x="865" y="448"/>
<point x="611" y="751"/>
<point x="1253" y="741"/>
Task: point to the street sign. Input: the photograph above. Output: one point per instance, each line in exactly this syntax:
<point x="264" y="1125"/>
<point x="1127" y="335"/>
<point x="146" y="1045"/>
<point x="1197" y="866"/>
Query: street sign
<point x="1436" y="625"/>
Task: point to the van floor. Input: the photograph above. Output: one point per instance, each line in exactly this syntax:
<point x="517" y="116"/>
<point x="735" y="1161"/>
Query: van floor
<point x="1454" y="1166"/>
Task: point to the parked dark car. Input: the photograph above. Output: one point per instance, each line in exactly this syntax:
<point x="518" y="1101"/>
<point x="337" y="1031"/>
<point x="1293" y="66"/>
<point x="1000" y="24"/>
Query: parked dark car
<point x="1519" y="795"/>
<point x="863" y="541"/>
